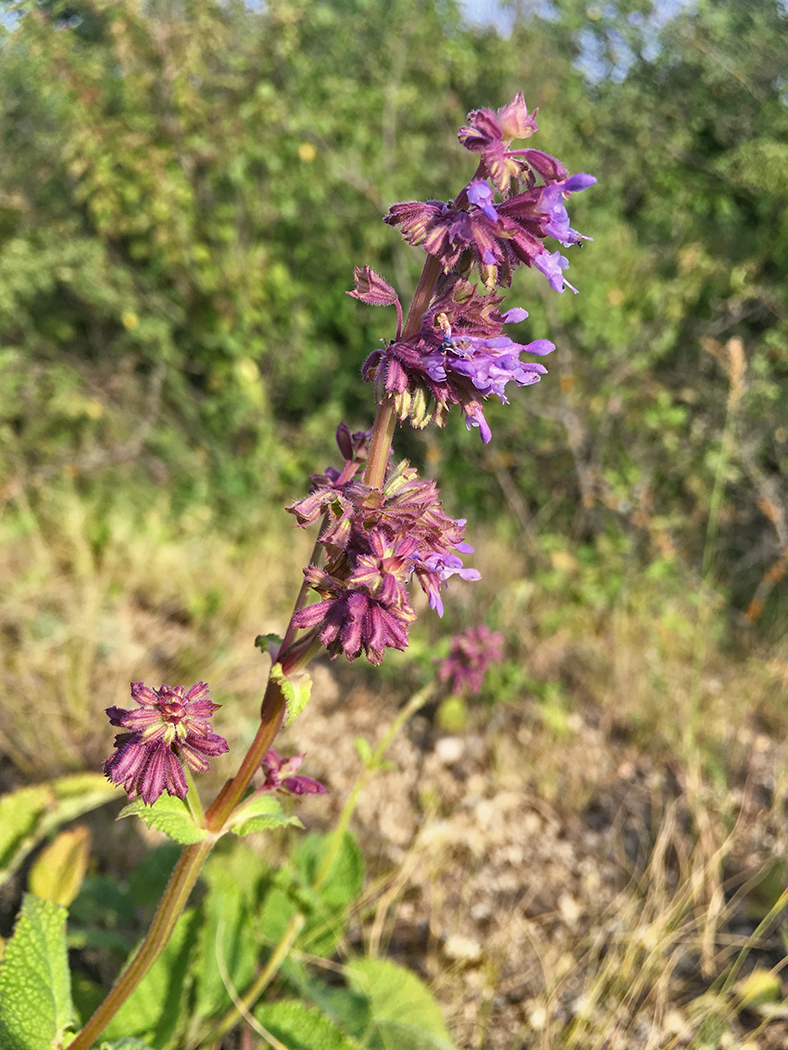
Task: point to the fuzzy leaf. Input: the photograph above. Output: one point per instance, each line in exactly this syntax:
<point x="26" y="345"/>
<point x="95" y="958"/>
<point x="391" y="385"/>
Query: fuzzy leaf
<point x="258" y="814"/>
<point x="296" y="693"/>
<point x="35" y="994"/>
<point x="325" y="907"/>
<point x="224" y="935"/>
<point x="58" y="870"/>
<point x="299" y="1028"/>
<point x="404" y="1014"/>
<point x="31" y="813"/>
<point x="347" y="1009"/>
<point x="169" y="815"/>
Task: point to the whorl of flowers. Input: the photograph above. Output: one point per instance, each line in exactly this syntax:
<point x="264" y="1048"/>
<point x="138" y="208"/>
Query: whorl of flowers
<point x="170" y="726"/>
<point x="375" y="541"/>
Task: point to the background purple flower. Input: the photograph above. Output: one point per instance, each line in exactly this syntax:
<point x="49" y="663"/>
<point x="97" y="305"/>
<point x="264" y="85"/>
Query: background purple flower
<point x="470" y="656"/>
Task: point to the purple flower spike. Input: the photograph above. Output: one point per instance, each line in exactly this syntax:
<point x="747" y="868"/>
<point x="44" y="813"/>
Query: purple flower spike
<point x="471" y="654"/>
<point x="171" y="726"/>
<point x="280" y="776"/>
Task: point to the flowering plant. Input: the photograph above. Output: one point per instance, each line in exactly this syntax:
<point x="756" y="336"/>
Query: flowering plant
<point x="382" y="527"/>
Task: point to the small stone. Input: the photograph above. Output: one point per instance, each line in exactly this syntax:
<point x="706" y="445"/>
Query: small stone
<point x="462" y="949"/>
<point x="450" y="749"/>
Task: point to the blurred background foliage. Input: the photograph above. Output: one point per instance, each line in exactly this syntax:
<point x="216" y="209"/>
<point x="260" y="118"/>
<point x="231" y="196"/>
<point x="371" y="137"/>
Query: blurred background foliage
<point x="186" y="185"/>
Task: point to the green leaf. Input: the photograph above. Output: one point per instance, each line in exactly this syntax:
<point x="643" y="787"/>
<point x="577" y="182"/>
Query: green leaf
<point x="32" y="813"/>
<point x="58" y="870"/>
<point x="259" y="813"/>
<point x="296" y="693"/>
<point x="349" y="1010"/>
<point x="154" y="1010"/>
<point x="344" y="879"/>
<point x="226" y="934"/>
<point x="300" y="1028"/>
<point x="324" y="907"/>
<point x="364" y="750"/>
<point x="266" y="642"/>
<point x="169" y="815"/>
<point x="405" y="1015"/>
<point x="126" y="1044"/>
<point x="35" y="996"/>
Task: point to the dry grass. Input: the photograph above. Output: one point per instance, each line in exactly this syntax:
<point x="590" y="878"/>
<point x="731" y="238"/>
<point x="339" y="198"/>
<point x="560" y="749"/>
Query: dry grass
<point x="149" y="599"/>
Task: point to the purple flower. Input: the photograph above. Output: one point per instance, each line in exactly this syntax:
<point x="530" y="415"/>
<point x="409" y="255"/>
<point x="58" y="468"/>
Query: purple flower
<point x="553" y="207"/>
<point x="552" y="266"/>
<point x="458" y="357"/>
<point x="480" y="194"/>
<point x="447" y="231"/>
<point x="471" y="654"/>
<point x="351" y="621"/>
<point x="365" y="605"/>
<point x="390" y="535"/>
<point x="169" y="727"/>
<point x="435" y="569"/>
<point x="373" y="289"/>
<point x="280" y="776"/>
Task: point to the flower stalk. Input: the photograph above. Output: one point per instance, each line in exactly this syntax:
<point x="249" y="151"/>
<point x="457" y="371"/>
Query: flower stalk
<point x="381" y="526"/>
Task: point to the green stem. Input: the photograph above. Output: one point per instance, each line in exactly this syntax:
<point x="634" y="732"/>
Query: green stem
<point x="263" y="979"/>
<point x="170" y="907"/>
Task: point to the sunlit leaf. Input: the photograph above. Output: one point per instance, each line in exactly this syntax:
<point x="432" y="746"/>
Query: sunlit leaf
<point x="35" y="997"/>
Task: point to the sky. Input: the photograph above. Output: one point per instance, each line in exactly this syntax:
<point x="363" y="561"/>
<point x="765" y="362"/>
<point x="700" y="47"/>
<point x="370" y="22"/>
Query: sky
<point x="486" y="12"/>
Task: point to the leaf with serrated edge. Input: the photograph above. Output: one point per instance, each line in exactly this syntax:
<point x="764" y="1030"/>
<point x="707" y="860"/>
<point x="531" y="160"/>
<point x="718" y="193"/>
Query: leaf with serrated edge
<point x="35" y="992"/>
<point x="258" y="814"/>
<point x="169" y="815"/>
<point x="403" y="1010"/>
<point x="296" y="693"/>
